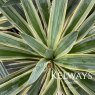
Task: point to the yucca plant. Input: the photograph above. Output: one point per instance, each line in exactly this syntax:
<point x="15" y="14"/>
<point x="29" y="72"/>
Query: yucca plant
<point x="55" y="39"/>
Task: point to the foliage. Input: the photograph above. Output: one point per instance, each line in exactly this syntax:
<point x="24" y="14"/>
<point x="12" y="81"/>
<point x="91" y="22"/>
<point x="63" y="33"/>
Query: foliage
<point x="54" y="36"/>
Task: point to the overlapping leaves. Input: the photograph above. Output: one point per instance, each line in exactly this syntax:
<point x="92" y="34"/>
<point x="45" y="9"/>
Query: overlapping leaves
<point x="52" y="37"/>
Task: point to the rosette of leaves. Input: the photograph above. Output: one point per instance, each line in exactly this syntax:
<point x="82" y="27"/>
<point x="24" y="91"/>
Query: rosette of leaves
<point x="54" y="37"/>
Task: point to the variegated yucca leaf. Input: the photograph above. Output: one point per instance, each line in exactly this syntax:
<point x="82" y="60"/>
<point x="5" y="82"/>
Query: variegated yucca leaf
<point x="4" y="23"/>
<point x="56" y="39"/>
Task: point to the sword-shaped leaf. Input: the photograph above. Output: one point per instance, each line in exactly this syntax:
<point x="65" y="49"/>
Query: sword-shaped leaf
<point x="3" y="70"/>
<point x="11" y="2"/>
<point x="84" y="29"/>
<point x="84" y="62"/>
<point x="66" y="44"/>
<point x="36" y="45"/>
<point x="38" y="70"/>
<point x="79" y="15"/>
<point x="33" y="19"/>
<point x="87" y="45"/>
<point x="8" y="40"/>
<point x="15" y="18"/>
<point x="11" y="54"/>
<point x="56" y="22"/>
<point x="44" y="11"/>
<point x="51" y="87"/>
<point x="15" y="81"/>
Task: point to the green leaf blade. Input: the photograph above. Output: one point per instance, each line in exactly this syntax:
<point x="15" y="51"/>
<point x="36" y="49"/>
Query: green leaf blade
<point x="51" y="87"/>
<point x="85" y="62"/>
<point x="38" y="70"/>
<point x="44" y="11"/>
<point x="33" y="19"/>
<point x="11" y="2"/>
<point x="84" y="29"/>
<point x="87" y="45"/>
<point x="9" y="55"/>
<point x="79" y="15"/>
<point x="3" y="70"/>
<point x="56" y="22"/>
<point x="16" y="83"/>
<point x="35" y="44"/>
<point x="11" y="41"/>
<point x="15" y="18"/>
<point x="66" y="44"/>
